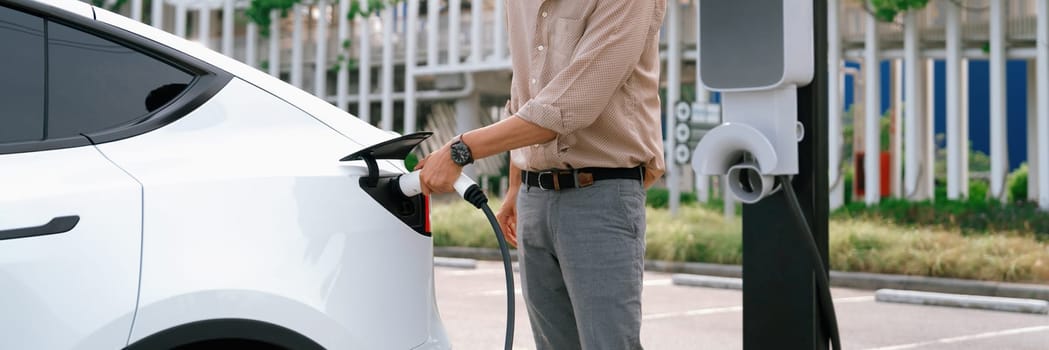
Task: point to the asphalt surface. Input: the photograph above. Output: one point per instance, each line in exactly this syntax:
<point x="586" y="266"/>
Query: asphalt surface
<point x="472" y="303"/>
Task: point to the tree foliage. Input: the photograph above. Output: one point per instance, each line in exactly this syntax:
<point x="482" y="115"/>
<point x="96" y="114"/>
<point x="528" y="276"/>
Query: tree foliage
<point x="887" y="10"/>
<point x="259" y="10"/>
<point x="115" y="6"/>
<point x="259" y="13"/>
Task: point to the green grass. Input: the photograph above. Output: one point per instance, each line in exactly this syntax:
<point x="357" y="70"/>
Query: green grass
<point x="883" y="247"/>
<point x="459" y="224"/>
<point x="701" y="234"/>
<point x="697" y="234"/>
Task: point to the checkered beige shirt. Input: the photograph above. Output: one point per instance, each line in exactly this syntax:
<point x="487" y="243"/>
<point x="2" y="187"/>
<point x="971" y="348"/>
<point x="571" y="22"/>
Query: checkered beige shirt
<point x="588" y="70"/>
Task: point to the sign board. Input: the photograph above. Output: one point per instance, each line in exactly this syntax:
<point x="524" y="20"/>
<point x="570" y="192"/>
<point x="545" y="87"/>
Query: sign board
<point x="693" y="120"/>
<point x="683" y="111"/>
<point x="706" y="113"/>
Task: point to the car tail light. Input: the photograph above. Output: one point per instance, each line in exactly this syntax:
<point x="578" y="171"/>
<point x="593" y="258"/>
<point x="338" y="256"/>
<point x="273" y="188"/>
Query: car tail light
<point x="426" y="212"/>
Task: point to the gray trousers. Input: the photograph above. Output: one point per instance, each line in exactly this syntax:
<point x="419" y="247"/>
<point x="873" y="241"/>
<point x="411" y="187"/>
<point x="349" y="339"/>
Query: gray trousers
<point x="581" y="255"/>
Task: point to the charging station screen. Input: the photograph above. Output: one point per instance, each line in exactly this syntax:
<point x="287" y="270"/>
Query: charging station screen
<point x="741" y="43"/>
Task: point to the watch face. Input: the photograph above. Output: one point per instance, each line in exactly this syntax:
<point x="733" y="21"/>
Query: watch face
<point x="461" y="154"/>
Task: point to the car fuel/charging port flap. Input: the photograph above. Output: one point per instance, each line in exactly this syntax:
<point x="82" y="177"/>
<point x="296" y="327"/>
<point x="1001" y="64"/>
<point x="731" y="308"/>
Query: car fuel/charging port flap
<point x="414" y="211"/>
<point x="397" y="148"/>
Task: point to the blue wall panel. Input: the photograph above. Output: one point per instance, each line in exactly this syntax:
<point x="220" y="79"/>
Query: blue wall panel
<point x="1016" y="111"/>
<point x="886" y="86"/>
<point x="979" y="104"/>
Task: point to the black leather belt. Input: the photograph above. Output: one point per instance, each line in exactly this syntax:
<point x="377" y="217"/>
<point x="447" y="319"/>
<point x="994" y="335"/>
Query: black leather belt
<point x="578" y="178"/>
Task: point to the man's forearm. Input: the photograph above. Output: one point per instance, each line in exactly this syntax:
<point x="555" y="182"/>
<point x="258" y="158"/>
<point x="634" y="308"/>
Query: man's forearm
<point x="506" y="135"/>
<point x="515" y="176"/>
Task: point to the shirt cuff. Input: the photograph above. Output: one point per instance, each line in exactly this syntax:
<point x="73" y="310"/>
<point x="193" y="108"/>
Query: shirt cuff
<point x="507" y="112"/>
<point x="544" y="115"/>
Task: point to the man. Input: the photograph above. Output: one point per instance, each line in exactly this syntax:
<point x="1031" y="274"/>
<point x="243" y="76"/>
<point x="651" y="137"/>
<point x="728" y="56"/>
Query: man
<point x="584" y="127"/>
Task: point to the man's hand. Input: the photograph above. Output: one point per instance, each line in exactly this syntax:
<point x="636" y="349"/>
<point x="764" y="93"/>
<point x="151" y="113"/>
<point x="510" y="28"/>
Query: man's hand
<point x="507" y="216"/>
<point x="439" y="172"/>
<point x="651" y="177"/>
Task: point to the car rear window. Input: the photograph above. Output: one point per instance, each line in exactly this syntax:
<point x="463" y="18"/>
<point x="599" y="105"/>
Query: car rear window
<point x="95" y="84"/>
<point x="21" y="77"/>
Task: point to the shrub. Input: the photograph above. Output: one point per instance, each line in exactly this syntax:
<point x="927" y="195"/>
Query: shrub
<point x="968" y="217"/>
<point x="660" y="198"/>
<point x="940" y="190"/>
<point x="978" y="190"/>
<point x="411" y="161"/>
<point x="695" y="234"/>
<point x="848" y="186"/>
<point x="873" y="246"/>
<point x="457" y="223"/>
<point x="657" y="198"/>
<point x="1017" y="184"/>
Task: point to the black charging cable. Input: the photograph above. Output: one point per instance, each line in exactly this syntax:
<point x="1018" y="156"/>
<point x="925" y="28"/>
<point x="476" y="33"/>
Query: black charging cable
<point x="410" y="184"/>
<point x="826" y="304"/>
<point x="475" y="196"/>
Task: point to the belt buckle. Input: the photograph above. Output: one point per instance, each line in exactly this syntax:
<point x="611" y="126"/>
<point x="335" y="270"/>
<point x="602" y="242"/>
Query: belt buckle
<point x="553" y="176"/>
<point x="583" y="179"/>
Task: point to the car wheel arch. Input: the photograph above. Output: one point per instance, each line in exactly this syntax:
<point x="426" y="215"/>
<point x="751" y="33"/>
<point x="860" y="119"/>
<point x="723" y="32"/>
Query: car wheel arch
<point x="225" y="329"/>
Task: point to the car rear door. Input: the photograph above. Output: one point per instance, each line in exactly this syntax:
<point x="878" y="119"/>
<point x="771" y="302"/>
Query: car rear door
<point x="70" y="237"/>
<point x="70" y="219"/>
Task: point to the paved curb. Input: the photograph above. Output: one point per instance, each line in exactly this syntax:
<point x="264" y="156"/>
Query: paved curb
<point x="1030" y="306"/>
<point x="720" y="270"/>
<point x="863" y="280"/>
<point x="459" y="263"/>
<point x="472" y="253"/>
<point x="684" y="279"/>
<point x="858" y="280"/>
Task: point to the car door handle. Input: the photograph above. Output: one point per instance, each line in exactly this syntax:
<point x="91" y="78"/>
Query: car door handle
<point x="59" y="224"/>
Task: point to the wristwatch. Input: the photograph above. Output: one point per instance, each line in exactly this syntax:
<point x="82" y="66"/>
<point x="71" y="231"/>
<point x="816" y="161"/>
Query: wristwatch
<point x="461" y="152"/>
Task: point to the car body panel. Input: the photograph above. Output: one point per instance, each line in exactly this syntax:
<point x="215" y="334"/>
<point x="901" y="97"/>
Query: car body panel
<point x="77" y="289"/>
<point x="249" y="214"/>
<point x="77" y="7"/>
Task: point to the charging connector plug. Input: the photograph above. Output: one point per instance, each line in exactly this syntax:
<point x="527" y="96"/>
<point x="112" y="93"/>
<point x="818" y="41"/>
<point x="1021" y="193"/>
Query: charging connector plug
<point x="475" y="196"/>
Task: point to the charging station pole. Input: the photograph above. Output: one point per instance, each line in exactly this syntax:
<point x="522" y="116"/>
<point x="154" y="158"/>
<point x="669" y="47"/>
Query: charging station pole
<point x="780" y="309"/>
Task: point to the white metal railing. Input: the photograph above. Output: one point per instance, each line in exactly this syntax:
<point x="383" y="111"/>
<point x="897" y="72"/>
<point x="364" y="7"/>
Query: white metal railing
<point x="304" y="45"/>
<point x="1020" y="23"/>
<point x="304" y="53"/>
<point x="479" y="56"/>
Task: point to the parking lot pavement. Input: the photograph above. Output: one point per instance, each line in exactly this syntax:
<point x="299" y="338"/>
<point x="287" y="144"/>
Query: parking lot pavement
<point x="472" y="303"/>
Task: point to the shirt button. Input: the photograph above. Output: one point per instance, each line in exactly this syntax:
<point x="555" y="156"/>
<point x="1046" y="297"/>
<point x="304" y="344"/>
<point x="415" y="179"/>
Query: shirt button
<point x="544" y="14"/>
<point x="533" y="80"/>
<point x="540" y="47"/>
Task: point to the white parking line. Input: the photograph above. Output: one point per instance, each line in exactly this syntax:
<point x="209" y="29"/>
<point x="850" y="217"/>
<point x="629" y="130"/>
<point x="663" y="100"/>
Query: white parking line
<point x="696" y="312"/>
<point x="494" y="292"/>
<point x="859" y="299"/>
<point x="457" y="272"/>
<point x="966" y="338"/>
<point x="497" y="292"/>
<point x="659" y="282"/>
<point x="728" y="309"/>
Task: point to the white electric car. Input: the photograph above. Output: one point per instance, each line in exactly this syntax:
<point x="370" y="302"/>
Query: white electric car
<point x="155" y="194"/>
